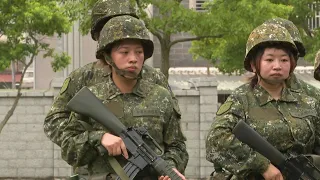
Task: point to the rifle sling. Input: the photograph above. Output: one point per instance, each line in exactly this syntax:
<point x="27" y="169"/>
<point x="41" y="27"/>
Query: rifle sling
<point x="113" y="162"/>
<point x="117" y="168"/>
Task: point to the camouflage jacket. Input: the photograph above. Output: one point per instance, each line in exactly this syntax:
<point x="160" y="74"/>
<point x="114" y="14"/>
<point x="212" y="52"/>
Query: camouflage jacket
<point x="149" y="105"/>
<point x="291" y="124"/>
<point x="90" y="74"/>
<point x="300" y="86"/>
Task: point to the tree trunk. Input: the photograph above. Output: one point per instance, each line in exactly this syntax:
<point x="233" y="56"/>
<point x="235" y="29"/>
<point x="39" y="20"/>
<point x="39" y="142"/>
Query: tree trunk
<point x="13" y="75"/>
<point x="165" y="54"/>
<point x="15" y="103"/>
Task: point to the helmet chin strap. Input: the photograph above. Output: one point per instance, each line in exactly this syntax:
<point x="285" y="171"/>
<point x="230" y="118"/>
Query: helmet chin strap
<point x="121" y="72"/>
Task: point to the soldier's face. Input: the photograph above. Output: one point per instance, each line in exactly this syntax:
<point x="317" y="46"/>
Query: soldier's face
<point x="128" y="56"/>
<point x="275" y="65"/>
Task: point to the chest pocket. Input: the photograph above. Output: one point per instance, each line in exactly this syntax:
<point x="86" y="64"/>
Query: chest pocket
<point x="151" y="119"/>
<point x="145" y="112"/>
<point x="301" y="125"/>
<point x="268" y="122"/>
<point x="264" y="114"/>
<point x="116" y="108"/>
<point x="303" y="113"/>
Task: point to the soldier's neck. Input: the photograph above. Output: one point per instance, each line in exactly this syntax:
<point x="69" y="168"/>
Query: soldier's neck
<point x="274" y="90"/>
<point x="125" y="85"/>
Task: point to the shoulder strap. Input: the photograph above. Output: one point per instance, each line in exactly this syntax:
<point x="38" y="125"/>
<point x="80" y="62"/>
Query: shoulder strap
<point x="113" y="162"/>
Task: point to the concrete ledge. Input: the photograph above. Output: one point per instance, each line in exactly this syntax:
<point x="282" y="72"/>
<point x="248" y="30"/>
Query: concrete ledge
<point x="186" y="92"/>
<point x="26" y="93"/>
<point x="206" y="82"/>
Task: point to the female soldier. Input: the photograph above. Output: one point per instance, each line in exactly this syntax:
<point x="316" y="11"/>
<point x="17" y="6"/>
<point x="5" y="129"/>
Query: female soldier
<point x="286" y="118"/>
<point x="293" y="82"/>
<point x="124" y="43"/>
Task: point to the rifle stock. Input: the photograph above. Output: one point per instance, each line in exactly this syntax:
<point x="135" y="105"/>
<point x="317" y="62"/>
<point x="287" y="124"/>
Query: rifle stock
<point x="250" y="137"/>
<point x="86" y="103"/>
<point x="296" y="168"/>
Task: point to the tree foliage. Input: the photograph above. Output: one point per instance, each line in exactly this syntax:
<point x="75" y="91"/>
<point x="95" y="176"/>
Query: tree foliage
<point x="24" y="26"/>
<point x="168" y="18"/>
<point x="236" y="19"/>
<point x="219" y="34"/>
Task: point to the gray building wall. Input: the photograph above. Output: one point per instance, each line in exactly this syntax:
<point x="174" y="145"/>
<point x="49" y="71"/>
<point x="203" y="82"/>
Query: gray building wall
<point x="27" y="153"/>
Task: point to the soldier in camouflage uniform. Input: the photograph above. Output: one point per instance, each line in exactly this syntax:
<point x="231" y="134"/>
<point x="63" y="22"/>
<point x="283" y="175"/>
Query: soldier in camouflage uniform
<point x="293" y="82"/>
<point x="124" y="44"/>
<point x="94" y="72"/>
<point x="288" y="119"/>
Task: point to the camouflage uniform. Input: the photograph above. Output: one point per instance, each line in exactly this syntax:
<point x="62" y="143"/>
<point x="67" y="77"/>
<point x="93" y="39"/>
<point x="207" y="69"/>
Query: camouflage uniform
<point x="94" y="72"/>
<point x="88" y="75"/>
<point x="149" y="105"/>
<point x="291" y="124"/>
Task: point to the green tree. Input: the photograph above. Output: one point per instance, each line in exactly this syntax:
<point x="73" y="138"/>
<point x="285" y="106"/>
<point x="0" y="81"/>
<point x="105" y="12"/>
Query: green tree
<point x="25" y="24"/>
<point x="238" y="18"/>
<point x="219" y="34"/>
<point x="171" y="17"/>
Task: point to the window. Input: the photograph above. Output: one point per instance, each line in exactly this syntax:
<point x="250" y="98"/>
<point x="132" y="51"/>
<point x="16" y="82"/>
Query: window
<point x="197" y="4"/>
<point x="314" y="22"/>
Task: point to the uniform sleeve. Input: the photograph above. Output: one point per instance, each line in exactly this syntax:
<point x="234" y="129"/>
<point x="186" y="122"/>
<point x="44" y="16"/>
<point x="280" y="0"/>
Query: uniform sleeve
<point x="79" y="141"/>
<point x="59" y="114"/>
<point x="157" y="77"/>
<point x="174" y="140"/>
<point x="161" y="80"/>
<point x="227" y="152"/>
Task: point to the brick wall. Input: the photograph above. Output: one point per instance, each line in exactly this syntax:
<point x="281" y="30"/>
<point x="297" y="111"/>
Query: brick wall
<point x="27" y="153"/>
<point x="25" y="150"/>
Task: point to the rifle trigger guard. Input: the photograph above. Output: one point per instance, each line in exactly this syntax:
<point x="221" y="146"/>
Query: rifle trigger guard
<point x="158" y="147"/>
<point x="144" y="133"/>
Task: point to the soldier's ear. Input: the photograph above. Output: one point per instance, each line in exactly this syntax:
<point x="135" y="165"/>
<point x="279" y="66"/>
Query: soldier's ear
<point x="253" y="67"/>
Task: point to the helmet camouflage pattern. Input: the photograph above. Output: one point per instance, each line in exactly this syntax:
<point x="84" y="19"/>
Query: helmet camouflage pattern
<point x="104" y="10"/>
<point x="267" y="33"/>
<point x="293" y="30"/>
<point x="124" y="27"/>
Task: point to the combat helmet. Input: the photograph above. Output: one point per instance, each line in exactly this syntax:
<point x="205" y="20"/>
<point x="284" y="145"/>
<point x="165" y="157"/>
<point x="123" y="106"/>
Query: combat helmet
<point x="267" y="33"/>
<point x="104" y="10"/>
<point x="294" y="32"/>
<point x="123" y="27"/>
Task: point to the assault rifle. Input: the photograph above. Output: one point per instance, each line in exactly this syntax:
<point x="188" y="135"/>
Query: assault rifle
<point x="295" y="167"/>
<point x="141" y="155"/>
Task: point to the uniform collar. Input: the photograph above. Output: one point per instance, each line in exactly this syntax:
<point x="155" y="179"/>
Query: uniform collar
<point x="264" y="97"/>
<point x="102" y="66"/>
<point x="293" y="83"/>
<point x="140" y="89"/>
